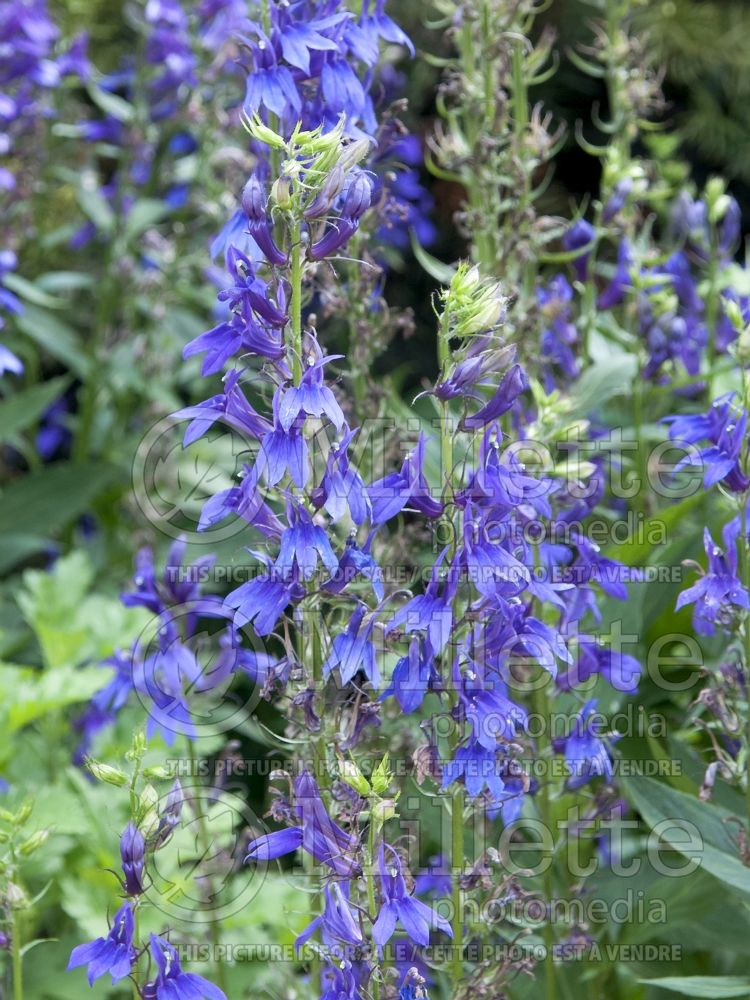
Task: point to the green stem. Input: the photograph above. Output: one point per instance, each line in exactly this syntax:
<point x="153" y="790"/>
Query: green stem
<point x="745" y="562"/>
<point x="545" y="812"/>
<point x="457" y="865"/>
<point x="15" y="944"/>
<point x="295" y="317"/>
<point x="712" y="315"/>
<point x="134" y="974"/>
<point x="371" y="905"/>
<point x="205" y="844"/>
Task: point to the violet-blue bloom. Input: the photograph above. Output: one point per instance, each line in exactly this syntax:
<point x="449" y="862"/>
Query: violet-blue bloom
<point x="719" y="594"/>
<point x="513" y="383"/>
<point x="171" y="982"/>
<point x="432" y="611"/>
<point x="283" y="451"/>
<point x="132" y="855"/>
<point x="312" y="397"/>
<point x="353" y="650"/>
<point x="586" y="754"/>
<point x="409" y="487"/>
<point x="579" y="239"/>
<point x="339" y="921"/>
<point x="316" y="833"/>
<point x="413" y="676"/>
<point x="342" y="487"/>
<point x="724" y="426"/>
<point x="303" y="545"/>
<point x="114" y="953"/>
<point x="398" y="906"/>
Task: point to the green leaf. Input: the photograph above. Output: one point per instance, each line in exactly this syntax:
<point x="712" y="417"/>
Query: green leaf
<point x="29" y="695"/>
<point x="718" y="854"/>
<point x="22" y="409"/>
<point x="146" y="212"/>
<point x="53" y="496"/>
<point x="435" y="268"/>
<point x="601" y="381"/>
<point x="32" y="944"/>
<point x="712" y="987"/>
<point x="96" y="208"/>
<point x="56" y="337"/>
<point x="111" y="104"/>
<point x="30" y="292"/>
<point x="71" y="625"/>
<point x="64" y="281"/>
<point x="14" y="548"/>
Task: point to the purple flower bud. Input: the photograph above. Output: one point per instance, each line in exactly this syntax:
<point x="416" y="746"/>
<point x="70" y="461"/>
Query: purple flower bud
<point x="333" y="239"/>
<point x="132" y="853"/>
<point x="323" y="201"/>
<point x="253" y="200"/>
<point x="171" y="813"/>
<point x="513" y="383"/>
<point x="254" y="206"/>
<point x="357" y="200"/>
<point x="617" y="200"/>
<point x="579" y="236"/>
<point x="358" y="196"/>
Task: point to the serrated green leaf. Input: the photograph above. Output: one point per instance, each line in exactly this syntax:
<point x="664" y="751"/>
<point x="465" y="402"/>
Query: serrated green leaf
<point x="53" y="497"/>
<point x="711" y="987"/>
<point x="56" y="337"/>
<point x="29" y="695"/>
<point x="719" y="852"/>
<point x="22" y="409"/>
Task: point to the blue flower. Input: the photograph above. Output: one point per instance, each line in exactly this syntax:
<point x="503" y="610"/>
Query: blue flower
<point x="114" y="954"/>
<point x="408" y="487"/>
<point x="312" y="397"/>
<point x="616" y="201"/>
<point x="357" y="196"/>
<point x="342" y="487"/>
<point x="719" y="592"/>
<point x="513" y="383"/>
<point x="260" y="224"/>
<point x="132" y="854"/>
<point x="352" y="650"/>
<point x="303" y="545"/>
<point x="260" y="602"/>
<point x="621" y="281"/>
<point x="430" y="612"/>
<point x="339" y="921"/>
<point x="413" y="676"/>
<point x="229" y="406"/>
<point x="492" y="716"/>
<point x="579" y="239"/>
<point x="398" y="906"/>
<point x="724" y="426"/>
<point x="619" y="669"/>
<point x="316" y="833"/>
<point x="356" y="561"/>
<point x="490" y="568"/>
<point x="586" y="754"/>
<point x="171" y="982"/>
<point x="559" y="335"/>
<point x="479" y="767"/>
<point x="284" y="450"/>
